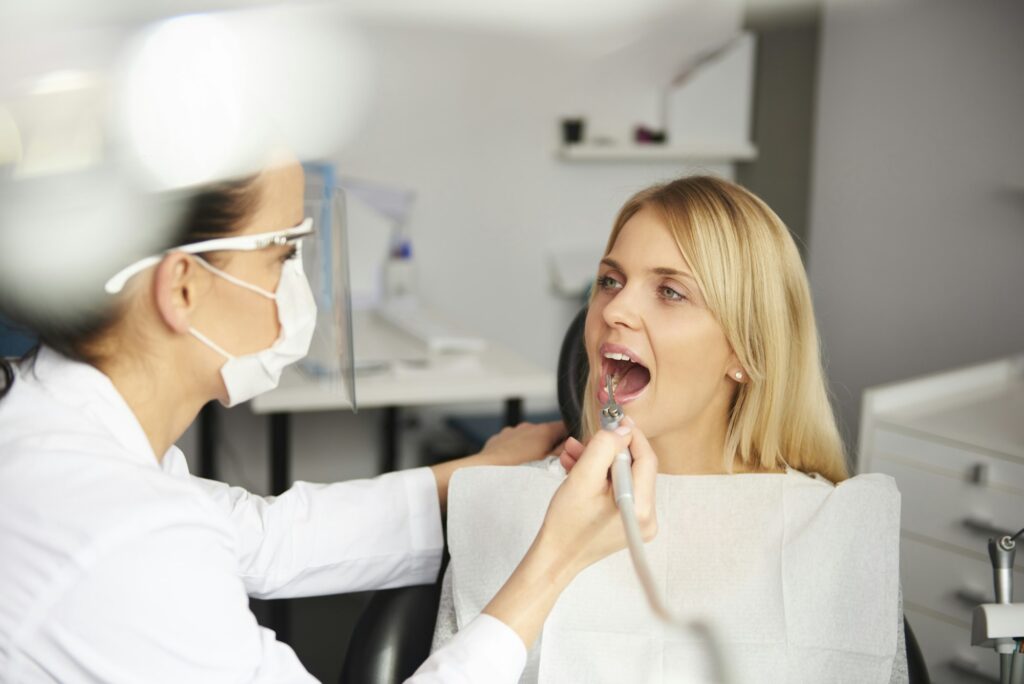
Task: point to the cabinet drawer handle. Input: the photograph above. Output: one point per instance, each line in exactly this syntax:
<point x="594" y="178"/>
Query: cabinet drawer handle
<point x="972" y="597"/>
<point x="985" y="527"/>
<point x="971" y="669"/>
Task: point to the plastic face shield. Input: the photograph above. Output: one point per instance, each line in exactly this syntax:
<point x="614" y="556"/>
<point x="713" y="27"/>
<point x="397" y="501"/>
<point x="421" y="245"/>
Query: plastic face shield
<point x="331" y="358"/>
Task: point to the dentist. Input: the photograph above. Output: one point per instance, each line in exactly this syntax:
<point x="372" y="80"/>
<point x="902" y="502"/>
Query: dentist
<point x="117" y="565"/>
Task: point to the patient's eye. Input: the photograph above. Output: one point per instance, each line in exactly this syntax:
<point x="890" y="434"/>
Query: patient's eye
<point x="608" y="283"/>
<point x="671" y="294"/>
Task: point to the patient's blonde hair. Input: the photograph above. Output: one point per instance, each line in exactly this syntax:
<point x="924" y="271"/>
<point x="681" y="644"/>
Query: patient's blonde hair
<point x="750" y="273"/>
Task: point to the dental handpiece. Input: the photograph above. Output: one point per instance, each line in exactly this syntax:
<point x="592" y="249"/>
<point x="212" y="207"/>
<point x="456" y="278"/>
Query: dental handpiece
<point x="622" y="488"/>
<point x="622" y="474"/>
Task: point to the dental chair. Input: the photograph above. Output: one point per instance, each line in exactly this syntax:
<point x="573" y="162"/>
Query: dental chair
<point x="393" y="635"/>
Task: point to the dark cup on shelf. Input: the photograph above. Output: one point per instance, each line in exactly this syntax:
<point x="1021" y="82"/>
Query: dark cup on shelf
<point x="572" y="131"/>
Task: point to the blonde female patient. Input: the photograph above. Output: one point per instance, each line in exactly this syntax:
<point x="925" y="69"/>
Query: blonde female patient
<point x="787" y="565"/>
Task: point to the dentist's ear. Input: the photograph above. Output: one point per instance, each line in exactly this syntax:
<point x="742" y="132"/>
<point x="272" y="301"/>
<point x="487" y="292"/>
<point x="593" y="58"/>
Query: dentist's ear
<point x="175" y="286"/>
<point x="738" y="375"/>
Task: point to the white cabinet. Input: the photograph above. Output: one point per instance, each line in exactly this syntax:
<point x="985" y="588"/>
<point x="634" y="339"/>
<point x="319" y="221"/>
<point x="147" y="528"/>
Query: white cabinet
<point x="954" y="442"/>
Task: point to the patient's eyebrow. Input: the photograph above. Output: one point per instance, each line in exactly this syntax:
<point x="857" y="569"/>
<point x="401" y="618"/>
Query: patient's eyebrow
<point x="612" y="263"/>
<point x="661" y="270"/>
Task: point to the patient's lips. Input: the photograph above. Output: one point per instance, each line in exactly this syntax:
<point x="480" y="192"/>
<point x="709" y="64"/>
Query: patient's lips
<point x="630" y="375"/>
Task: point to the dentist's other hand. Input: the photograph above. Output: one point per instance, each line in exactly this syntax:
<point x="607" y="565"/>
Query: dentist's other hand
<point x="512" y="446"/>
<point x="522" y="443"/>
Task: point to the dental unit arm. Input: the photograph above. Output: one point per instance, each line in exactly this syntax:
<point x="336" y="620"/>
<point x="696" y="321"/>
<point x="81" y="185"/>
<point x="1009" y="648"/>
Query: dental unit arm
<point x="622" y="489"/>
<point x="1000" y="625"/>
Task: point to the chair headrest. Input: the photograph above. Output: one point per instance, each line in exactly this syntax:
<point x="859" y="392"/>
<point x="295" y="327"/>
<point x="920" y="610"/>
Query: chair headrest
<point x="572" y="374"/>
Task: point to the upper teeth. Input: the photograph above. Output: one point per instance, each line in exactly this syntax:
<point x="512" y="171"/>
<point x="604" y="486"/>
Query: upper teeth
<point x="617" y="357"/>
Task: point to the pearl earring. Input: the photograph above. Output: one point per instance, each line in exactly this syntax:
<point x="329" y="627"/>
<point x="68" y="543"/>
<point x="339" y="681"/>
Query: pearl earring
<point x="739" y="375"/>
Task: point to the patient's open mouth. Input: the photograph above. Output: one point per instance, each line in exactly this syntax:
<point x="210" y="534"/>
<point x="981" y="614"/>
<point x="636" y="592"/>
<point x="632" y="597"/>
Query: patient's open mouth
<point x="630" y="376"/>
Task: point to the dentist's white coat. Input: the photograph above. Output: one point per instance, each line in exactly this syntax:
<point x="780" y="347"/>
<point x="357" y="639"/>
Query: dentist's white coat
<point x="119" y="567"/>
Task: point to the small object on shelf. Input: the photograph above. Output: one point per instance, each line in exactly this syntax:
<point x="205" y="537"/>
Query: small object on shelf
<point x="644" y="135"/>
<point x="573" y="130"/>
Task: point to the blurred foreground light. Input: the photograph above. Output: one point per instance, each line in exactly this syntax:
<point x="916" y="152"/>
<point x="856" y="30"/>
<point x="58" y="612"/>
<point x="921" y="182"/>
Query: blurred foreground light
<point x="210" y="96"/>
<point x="102" y="141"/>
<point x="63" y="235"/>
<point x="183" y="104"/>
<point x="10" y="140"/>
<point x="60" y="119"/>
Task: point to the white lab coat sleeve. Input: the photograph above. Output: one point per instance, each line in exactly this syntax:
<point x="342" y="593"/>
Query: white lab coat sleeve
<point x="317" y="539"/>
<point x="162" y="603"/>
<point x="486" y="650"/>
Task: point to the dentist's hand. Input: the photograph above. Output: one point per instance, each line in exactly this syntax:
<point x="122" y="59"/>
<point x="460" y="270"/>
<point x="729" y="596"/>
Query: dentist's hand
<point x="582" y="519"/>
<point x="523" y="443"/>
<point x="512" y="446"/>
<point x="570" y="452"/>
<point x="582" y="526"/>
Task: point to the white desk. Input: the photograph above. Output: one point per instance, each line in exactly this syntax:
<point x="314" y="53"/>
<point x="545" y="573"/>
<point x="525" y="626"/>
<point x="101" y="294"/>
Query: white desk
<point x="410" y="377"/>
<point x="405" y="376"/>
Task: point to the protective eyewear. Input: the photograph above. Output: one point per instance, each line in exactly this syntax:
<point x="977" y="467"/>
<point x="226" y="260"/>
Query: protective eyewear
<point x="241" y="243"/>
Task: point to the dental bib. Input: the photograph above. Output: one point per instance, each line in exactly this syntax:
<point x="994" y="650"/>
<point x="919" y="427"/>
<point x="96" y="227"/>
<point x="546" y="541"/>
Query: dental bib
<point x="797" y="579"/>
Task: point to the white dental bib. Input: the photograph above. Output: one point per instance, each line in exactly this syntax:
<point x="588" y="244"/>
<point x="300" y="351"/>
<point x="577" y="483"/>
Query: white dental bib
<point x="797" y="578"/>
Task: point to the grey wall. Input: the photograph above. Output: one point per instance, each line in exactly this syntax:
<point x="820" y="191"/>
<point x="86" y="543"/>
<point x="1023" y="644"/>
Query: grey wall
<point x="783" y="118"/>
<point x="917" y="239"/>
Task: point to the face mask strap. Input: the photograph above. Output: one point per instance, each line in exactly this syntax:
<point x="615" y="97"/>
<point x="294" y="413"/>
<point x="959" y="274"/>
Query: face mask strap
<point x="232" y="279"/>
<point x="210" y="343"/>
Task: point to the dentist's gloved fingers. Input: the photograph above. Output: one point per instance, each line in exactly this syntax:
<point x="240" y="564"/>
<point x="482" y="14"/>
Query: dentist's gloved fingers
<point x="522" y="443"/>
<point x="571" y="451"/>
<point x="645" y="473"/>
<point x="556" y="431"/>
<point x="597" y="456"/>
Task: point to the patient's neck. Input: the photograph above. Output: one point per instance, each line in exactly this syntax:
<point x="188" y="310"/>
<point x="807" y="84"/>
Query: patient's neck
<point x="695" y="449"/>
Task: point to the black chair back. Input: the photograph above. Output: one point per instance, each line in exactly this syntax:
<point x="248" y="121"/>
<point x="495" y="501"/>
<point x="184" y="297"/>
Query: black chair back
<point x="393" y="635"/>
<point x="572" y="374"/>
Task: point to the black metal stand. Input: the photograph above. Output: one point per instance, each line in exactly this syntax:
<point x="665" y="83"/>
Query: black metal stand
<point x="280" y="480"/>
<point x="208" y="442"/>
<point x="513" y="411"/>
<point x="390" y="439"/>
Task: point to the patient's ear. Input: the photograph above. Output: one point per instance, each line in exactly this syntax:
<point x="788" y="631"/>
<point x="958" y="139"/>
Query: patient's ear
<point x="738" y="375"/>
<point x="736" y="372"/>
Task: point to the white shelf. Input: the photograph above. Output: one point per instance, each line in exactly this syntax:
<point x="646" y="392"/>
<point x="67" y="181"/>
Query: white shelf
<point x="695" y="151"/>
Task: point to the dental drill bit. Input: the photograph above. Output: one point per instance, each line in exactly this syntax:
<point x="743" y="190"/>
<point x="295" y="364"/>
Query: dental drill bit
<point x="611" y="412"/>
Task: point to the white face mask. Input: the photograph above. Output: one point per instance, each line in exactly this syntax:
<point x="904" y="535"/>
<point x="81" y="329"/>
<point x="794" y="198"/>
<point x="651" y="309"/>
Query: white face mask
<point x="252" y="374"/>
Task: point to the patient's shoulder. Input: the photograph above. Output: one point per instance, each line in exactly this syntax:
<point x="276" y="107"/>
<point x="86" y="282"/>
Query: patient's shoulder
<point x="865" y="481"/>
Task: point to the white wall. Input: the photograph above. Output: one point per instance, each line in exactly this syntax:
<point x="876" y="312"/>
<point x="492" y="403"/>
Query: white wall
<point x="468" y="118"/>
<point x="916" y="241"/>
<point x="470" y="121"/>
